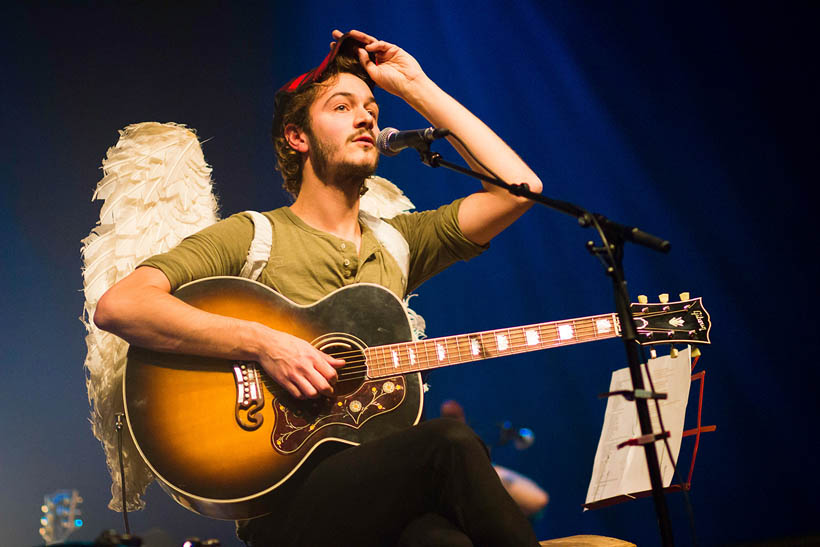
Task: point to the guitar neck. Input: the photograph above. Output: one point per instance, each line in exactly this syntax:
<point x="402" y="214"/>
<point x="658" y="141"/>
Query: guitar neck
<point x="433" y="353"/>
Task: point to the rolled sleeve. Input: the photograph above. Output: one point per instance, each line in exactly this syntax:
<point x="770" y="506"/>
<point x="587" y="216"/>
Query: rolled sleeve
<point x="435" y="240"/>
<point x="217" y="250"/>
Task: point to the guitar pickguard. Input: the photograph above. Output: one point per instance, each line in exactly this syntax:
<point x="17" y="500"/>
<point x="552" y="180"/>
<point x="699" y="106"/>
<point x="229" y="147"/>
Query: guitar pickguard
<point x="298" y="421"/>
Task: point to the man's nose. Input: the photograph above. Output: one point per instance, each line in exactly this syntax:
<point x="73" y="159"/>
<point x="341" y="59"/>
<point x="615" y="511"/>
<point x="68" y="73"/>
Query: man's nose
<point x="364" y="118"/>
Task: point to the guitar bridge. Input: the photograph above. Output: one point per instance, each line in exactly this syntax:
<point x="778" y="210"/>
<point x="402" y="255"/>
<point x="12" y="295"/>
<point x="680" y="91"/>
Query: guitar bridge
<point x="249" y="396"/>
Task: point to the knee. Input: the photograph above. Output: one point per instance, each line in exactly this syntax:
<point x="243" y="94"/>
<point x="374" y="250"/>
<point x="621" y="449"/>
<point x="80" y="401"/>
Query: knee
<point x="455" y="435"/>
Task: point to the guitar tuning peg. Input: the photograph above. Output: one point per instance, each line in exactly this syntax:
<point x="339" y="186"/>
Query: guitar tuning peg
<point x="673" y="352"/>
<point x="695" y="352"/>
<point x="642" y="299"/>
<point x="663" y="298"/>
<point x="684" y="295"/>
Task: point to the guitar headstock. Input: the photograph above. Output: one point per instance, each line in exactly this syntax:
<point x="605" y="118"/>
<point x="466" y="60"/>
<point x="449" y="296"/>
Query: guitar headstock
<point x="683" y="322"/>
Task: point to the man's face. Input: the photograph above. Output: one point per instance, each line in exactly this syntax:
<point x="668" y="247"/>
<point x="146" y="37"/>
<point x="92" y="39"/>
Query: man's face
<point x="342" y="132"/>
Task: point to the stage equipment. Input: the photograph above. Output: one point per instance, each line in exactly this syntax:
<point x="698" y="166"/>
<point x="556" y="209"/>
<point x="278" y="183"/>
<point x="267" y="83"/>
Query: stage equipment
<point x="610" y="253"/>
<point x="61" y="515"/>
<point x="521" y="437"/>
<point x="391" y="141"/>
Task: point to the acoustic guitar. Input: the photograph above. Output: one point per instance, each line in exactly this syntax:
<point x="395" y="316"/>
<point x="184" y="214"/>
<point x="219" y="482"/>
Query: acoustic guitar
<point x="222" y="437"/>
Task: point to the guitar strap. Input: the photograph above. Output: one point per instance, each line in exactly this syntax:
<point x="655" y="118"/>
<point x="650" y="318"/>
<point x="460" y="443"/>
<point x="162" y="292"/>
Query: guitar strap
<point x="260" y="247"/>
<point x="390" y="238"/>
<point x="259" y="250"/>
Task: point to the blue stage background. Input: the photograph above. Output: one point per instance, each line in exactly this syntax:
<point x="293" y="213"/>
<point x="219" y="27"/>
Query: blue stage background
<point x="697" y="122"/>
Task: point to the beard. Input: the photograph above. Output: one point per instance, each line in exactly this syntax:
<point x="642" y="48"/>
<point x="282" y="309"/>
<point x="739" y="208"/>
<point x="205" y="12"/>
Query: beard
<point x="344" y="174"/>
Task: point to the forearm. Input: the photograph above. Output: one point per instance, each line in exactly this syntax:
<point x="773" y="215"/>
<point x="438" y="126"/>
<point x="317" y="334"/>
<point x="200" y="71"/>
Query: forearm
<point x="141" y="310"/>
<point x="156" y="320"/>
<point x="482" y="215"/>
<point x="442" y="110"/>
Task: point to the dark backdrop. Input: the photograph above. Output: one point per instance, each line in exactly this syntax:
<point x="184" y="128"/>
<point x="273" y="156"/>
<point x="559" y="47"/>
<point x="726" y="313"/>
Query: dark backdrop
<point x="697" y="122"/>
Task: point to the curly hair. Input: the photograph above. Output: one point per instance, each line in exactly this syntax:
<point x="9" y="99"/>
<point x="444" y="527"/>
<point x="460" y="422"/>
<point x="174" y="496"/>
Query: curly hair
<point x="293" y="108"/>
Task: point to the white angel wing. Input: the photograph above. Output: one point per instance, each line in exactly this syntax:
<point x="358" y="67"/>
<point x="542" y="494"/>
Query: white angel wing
<point x="157" y="190"/>
<point x="383" y="199"/>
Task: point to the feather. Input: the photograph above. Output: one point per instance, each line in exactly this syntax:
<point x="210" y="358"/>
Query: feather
<point x="384" y="199"/>
<point x="157" y="190"/>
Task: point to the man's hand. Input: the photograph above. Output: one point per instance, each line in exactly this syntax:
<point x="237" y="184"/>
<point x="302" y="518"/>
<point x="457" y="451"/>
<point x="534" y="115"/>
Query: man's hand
<point x="141" y="310"/>
<point x="301" y="369"/>
<point x="392" y="69"/>
<point x="484" y="214"/>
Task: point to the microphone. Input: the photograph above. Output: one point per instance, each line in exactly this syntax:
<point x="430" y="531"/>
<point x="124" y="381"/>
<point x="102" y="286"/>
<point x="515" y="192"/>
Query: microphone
<point x="391" y="141"/>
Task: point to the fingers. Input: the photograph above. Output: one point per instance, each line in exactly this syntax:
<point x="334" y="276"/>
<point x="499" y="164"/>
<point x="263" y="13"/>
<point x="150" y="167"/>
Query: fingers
<point x="311" y="376"/>
<point x="366" y="39"/>
<point x="328" y="372"/>
<point x="360" y="36"/>
<point x="378" y="45"/>
<point x="307" y="384"/>
<point x="306" y="389"/>
<point x="290" y="387"/>
<point x="300" y="368"/>
<point x="320" y="384"/>
<point x="332" y="361"/>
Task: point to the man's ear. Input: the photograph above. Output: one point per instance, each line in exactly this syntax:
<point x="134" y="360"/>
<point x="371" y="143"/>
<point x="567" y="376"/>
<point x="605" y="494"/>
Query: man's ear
<point x="296" y="137"/>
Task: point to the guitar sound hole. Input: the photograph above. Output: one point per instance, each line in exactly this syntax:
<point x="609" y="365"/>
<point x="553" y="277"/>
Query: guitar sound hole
<point x="354" y="372"/>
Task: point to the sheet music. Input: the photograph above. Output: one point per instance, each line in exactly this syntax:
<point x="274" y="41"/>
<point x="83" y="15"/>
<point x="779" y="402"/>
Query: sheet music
<point x="623" y="472"/>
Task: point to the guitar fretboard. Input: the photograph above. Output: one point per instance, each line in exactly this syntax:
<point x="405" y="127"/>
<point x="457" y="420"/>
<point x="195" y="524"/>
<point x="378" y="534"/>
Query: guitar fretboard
<point x="452" y="350"/>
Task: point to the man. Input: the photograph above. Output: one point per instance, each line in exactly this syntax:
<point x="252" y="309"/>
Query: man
<point x="325" y="126"/>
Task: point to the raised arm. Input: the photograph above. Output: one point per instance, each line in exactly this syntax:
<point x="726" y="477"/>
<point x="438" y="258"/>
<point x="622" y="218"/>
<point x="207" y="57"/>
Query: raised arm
<point x="141" y="310"/>
<point x="482" y="215"/>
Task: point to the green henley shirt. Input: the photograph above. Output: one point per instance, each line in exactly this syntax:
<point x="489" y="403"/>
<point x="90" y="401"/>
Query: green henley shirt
<point x="306" y="264"/>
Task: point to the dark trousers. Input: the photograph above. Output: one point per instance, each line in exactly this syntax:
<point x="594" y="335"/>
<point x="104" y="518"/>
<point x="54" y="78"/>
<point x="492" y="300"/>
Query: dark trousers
<point x="432" y="484"/>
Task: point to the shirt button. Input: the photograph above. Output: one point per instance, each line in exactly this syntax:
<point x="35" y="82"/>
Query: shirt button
<point x="347" y="273"/>
<point x="346" y="262"/>
<point x="343" y="246"/>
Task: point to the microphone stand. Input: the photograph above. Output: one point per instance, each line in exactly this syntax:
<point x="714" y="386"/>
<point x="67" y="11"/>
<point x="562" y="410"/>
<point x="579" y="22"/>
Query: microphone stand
<point x="613" y="236"/>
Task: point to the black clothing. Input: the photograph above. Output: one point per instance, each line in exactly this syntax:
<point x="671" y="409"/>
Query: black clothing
<point x="432" y="484"/>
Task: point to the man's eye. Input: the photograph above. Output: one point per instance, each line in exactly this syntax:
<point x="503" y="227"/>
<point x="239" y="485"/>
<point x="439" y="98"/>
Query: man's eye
<point x="341" y="107"/>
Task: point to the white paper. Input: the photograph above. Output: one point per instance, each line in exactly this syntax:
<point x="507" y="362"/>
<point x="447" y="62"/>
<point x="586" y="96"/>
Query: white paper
<point x="623" y="472"/>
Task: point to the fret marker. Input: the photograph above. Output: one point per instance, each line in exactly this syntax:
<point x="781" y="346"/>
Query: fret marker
<point x="603" y="326"/>
<point x="412" y="356"/>
<point x="442" y="354"/>
<point x="475" y="347"/>
<point x="502" y="341"/>
<point x="565" y="332"/>
<point x="395" y="355"/>
<point x="532" y="337"/>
